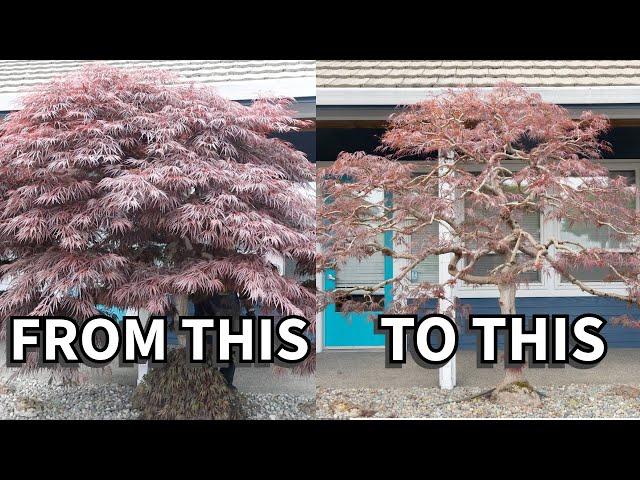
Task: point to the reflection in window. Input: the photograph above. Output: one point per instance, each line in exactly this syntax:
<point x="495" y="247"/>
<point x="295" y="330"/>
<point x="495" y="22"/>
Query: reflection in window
<point x="427" y="270"/>
<point x="373" y="302"/>
<point x="530" y="222"/>
<point x="592" y="236"/>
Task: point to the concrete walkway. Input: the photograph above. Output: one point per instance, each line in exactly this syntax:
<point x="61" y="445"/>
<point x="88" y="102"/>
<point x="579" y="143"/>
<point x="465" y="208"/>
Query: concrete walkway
<point x="247" y="379"/>
<point x="366" y="369"/>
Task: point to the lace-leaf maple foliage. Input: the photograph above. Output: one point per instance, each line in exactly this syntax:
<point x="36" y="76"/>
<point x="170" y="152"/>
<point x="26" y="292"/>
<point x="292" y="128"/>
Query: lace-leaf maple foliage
<point x="119" y="188"/>
<point x="474" y="165"/>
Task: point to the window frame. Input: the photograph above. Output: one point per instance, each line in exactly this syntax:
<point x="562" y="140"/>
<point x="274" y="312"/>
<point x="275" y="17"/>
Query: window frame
<point x="617" y="165"/>
<point x="377" y="195"/>
<point x="551" y="284"/>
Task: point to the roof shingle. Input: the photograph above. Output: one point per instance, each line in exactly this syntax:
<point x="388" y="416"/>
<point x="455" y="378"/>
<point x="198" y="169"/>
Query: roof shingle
<point x="18" y="76"/>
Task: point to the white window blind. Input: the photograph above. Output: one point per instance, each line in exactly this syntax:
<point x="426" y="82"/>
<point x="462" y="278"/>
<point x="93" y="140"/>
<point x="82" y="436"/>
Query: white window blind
<point x="530" y="222"/>
<point x="370" y="270"/>
<point x="592" y="236"/>
<point x="427" y="270"/>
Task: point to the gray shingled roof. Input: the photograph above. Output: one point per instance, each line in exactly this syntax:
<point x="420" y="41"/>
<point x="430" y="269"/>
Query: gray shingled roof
<point x="21" y="75"/>
<point x="456" y="73"/>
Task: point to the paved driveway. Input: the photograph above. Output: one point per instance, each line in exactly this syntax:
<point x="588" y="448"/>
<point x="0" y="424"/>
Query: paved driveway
<point x="365" y="369"/>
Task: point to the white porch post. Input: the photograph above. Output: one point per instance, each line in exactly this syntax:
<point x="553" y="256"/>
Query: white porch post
<point x="278" y="261"/>
<point x="447" y="373"/>
<point x="143" y="368"/>
<point x="319" y="315"/>
<point x="319" y="285"/>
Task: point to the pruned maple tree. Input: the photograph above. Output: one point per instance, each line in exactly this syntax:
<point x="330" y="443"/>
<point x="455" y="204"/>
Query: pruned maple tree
<point x="122" y="188"/>
<point x="460" y="174"/>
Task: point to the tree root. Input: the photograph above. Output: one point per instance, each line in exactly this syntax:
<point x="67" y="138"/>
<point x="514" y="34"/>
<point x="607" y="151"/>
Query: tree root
<point x="486" y="393"/>
<point x="493" y="391"/>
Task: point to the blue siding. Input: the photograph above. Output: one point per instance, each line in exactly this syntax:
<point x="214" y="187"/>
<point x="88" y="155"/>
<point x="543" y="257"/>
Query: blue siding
<point x="617" y="336"/>
<point x="304" y="140"/>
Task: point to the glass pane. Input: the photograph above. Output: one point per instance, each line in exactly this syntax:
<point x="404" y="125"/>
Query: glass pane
<point x="591" y="236"/>
<point x="591" y="275"/>
<point x="598" y="274"/>
<point x="368" y="272"/>
<point x="530" y="222"/>
<point x="487" y="263"/>
<point x="427" y="270"/>
<point x="375" y="302"/>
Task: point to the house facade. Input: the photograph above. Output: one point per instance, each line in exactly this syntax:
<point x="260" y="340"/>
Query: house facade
<point x="354" y="100"/>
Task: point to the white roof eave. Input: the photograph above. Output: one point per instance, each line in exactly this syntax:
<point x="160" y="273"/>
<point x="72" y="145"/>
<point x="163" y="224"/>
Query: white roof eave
<point x="594" y="95"/>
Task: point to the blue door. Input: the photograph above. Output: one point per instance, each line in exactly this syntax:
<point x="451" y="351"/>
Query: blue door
<point x="355" y="329"/>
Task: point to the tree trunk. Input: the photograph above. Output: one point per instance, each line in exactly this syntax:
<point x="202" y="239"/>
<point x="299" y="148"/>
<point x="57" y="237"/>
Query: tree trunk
<point x="507" y="303"/>
<point x="182" y="310"/>
<point x="513" y="389"/>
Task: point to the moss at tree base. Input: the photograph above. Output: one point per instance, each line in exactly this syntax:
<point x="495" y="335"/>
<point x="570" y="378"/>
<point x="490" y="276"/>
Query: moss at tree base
<point x="519" y="392"/>
<point x="178" y="391"/>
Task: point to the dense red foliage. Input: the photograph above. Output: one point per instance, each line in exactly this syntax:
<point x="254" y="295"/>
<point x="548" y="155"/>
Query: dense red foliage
<point x="118" y="188"/>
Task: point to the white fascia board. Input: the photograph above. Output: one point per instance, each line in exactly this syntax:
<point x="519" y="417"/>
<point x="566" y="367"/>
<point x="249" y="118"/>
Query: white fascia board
<point x="286" y="87"/>
<point x="304" y="87"/>
<point x="405" y="96"/>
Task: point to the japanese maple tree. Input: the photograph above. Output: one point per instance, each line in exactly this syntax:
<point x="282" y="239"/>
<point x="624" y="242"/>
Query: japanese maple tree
<point x="460" y="174"/>
<point x="119" y="188"/>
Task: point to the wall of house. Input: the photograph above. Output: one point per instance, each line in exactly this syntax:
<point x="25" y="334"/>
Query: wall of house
<point x="356" y="330"/>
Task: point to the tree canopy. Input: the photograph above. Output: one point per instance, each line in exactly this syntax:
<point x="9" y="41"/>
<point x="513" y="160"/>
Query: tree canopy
<point x="120" y="188"/>
<point x="461" y="174"/>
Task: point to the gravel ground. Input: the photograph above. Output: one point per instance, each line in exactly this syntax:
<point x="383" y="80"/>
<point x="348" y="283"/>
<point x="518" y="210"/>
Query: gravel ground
<point x="33" y="398"/>
<point x="561" y="401"/>
<point x="274" y="406"/>
<point x="29" y="398"/>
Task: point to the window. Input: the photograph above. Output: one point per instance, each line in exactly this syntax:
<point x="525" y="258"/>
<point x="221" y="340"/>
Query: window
<point x="375" y="302"/>
<point x="368" y="272"/>
<point x="427" y="270"/>
<point x="426" y="236"/>
<point x="530" y="222"/>
<point x="592" y="236"/>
